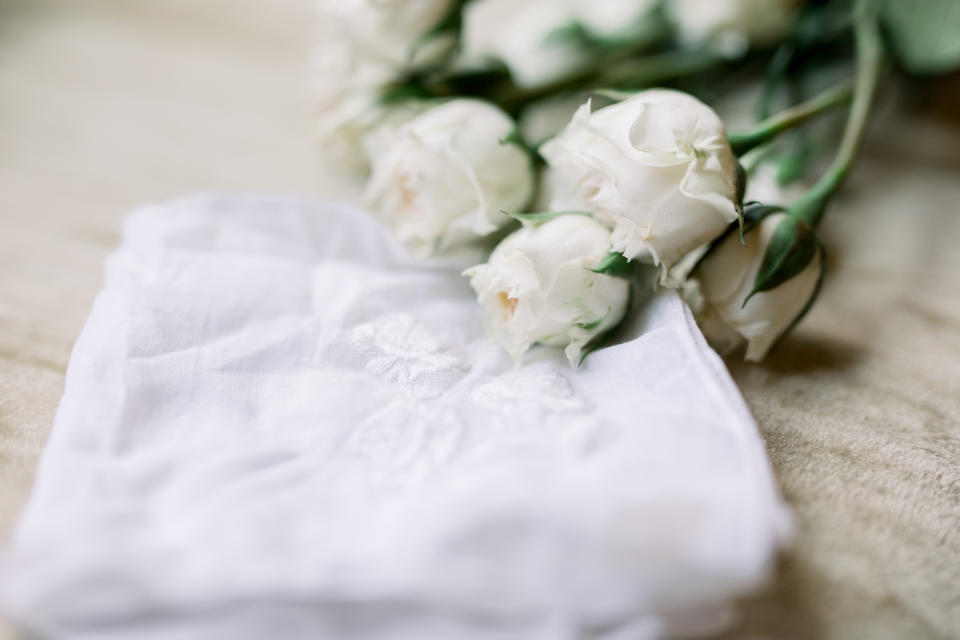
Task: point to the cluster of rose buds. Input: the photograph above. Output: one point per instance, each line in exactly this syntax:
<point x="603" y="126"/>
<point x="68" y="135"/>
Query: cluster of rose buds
<point x="468" y="115"/>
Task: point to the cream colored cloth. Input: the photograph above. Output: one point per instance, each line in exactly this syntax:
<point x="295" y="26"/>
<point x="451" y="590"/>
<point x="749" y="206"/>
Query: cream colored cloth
<point x="106" y="105"/>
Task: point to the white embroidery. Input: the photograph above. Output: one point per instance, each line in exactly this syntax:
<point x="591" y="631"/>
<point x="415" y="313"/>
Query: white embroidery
<point x="400" y="350"/>
<point x="546" y="390"/>
<point x="404" y="443"/>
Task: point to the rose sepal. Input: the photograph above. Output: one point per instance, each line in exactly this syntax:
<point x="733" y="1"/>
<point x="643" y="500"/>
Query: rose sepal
<point x="616" y="264"/>
<point x="793" y="246"/>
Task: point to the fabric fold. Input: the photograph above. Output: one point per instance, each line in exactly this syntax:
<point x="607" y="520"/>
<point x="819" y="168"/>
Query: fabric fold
<point x="277" y="423"/>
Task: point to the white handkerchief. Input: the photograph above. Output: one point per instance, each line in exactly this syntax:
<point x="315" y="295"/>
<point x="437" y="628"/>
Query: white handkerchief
<point x="277" y="424"/>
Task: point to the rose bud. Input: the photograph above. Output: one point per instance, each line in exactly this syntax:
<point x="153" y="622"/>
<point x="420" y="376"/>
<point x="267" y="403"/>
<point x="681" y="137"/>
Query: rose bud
<point x="362" y="47"/>
<point x="347" y="90"/>
<point x="656" y="167"/>
<point x="613" y="20"/>
<point x="759" y="291"/>
<point x="729" y="27"/>
<point x="542" y="285"/>
<point x="397" y="33"/>
<point x="523" y="36"/>
<point x="541" y="42"/>
<point x="445" y="177"/>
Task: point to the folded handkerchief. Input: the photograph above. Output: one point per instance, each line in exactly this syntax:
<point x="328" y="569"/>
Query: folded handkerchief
<point x="277" y="424"/>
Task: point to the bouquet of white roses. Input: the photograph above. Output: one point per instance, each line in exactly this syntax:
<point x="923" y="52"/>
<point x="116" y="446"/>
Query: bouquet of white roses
<point x="568" y="132"/>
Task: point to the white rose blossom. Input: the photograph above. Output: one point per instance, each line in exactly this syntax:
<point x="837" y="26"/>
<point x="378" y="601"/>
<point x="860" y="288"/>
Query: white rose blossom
<point x="446" y="176"/>
<point x="391" y="31"/>
<point x="521" y="35"/>
<point x="526" y="35"/>
<point x="611" y="18"/>
<point x="362" y="46"/>
<point x="731" y="26"/>
<point x="656" y="167"/>
<point x="539" y="287"/>
<point x="347" y="90"/>
<point x="724" y="279"/>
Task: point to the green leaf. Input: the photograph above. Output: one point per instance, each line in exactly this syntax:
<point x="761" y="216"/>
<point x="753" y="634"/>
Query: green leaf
<point x="570" y="32"/>
<point x="402" y="92"/>
<point x="616" y="264"/>
<point x="925" y="33"/>
<point x="813" y="297"/>
<point x="792" y="247"/>
<point x="753" y="213"/>
<point x="515" y="139"/>
<point x="608" y="337"/>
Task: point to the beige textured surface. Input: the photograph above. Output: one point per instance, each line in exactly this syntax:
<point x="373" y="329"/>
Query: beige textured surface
<point x="861" y="408"/>
<point x="104" y="105"/>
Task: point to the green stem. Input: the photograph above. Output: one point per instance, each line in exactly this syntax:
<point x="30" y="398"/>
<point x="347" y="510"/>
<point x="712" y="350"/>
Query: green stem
<point x="743" y="141"/>
<point x="776" y="72"/>
<point x="635" y="72"/>
<point x="811" y="206"/>
<point x="654" y="69"/>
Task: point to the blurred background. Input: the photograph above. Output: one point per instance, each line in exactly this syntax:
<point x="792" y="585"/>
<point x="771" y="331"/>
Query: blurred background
<point x="107" y="104"/>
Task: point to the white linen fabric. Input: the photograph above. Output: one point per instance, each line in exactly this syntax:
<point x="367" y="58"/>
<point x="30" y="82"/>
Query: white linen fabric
<point x="277" y="424"/>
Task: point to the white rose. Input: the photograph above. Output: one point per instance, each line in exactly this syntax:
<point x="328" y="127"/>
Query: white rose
<point x="391" y="31"/>
<point x="730" y="26"/>
<point x="346" y="89"/>
<point x="539" y="287"/>
<point x="445" y="177"/>
<point x="611" y="18"/>
<point x="522" y="35"/>
<point x="527" y="35"/>
<point x="363" y="46"/>
<point x="657" y="167"/>
<point x="726" y="277"/>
